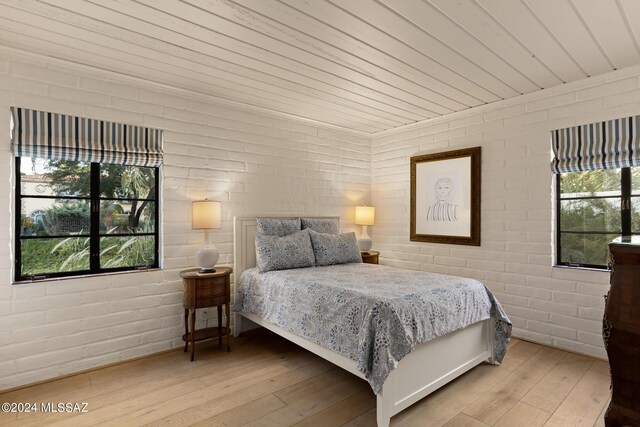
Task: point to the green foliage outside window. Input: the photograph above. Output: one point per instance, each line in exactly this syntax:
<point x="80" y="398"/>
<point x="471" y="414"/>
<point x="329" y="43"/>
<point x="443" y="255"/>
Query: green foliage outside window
<point x="127" y="203"/>
<point x="67" y="217"/>
<point x="116" y="181"/>
<point x="590" y="214"/>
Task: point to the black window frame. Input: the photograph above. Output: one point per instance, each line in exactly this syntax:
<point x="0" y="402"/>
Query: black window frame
<point x="625" y="197"/>
<point x="94" y="233"/>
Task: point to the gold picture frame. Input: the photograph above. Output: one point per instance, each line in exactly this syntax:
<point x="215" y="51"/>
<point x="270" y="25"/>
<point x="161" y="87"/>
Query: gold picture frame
<point x="445" y="197"/>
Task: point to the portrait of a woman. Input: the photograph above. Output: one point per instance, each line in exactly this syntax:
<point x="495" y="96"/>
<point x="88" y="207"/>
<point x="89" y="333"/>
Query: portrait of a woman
<point x="442" y="210"/>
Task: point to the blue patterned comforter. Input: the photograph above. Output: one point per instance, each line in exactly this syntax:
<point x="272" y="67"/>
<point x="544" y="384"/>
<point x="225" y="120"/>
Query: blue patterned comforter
<point x="372" y="314"/>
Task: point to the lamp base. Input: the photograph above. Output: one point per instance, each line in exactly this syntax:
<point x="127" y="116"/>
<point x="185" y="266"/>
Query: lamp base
<point x="365" y="244"/>
<point x="364" y="241"/>
<point x="207" y="257"/>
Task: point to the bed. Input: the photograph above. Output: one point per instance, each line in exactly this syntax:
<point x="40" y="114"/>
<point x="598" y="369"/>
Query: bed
<point x="397" y="385"/>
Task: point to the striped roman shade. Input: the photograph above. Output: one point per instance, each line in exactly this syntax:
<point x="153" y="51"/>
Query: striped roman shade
<point x="605" y="145"/>
<point x="63" y="137"/>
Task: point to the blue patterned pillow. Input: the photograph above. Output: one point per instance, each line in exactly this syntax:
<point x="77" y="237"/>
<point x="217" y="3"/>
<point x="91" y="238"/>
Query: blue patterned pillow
<point x="322" y="225"/>
<point x="278" y="227"/>
<point x="335" y="249"/>
<point x="282" y="253"/>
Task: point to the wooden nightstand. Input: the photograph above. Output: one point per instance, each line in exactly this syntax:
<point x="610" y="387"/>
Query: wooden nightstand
<point x="202" y="290"/>
<point x="370" y="257"/>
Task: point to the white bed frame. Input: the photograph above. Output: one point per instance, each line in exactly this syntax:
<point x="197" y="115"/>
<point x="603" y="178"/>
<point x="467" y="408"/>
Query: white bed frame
<point x="428" y="367"/>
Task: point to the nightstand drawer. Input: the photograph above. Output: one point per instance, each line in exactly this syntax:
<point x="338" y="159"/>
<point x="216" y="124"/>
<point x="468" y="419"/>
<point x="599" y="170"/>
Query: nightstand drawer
<point x="205" y="292"/>
<point x="209" y="301"/>
<point x="210" y="288"/>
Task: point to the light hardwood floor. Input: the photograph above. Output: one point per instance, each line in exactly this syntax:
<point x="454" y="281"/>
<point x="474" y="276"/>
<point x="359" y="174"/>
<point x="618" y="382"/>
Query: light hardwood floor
<point x="267" y="381"/>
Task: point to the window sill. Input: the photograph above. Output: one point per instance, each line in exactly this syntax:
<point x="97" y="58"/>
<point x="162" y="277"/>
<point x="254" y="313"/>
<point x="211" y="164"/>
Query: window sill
<point x="569" y="267"/>
<point x="85" y="276"/>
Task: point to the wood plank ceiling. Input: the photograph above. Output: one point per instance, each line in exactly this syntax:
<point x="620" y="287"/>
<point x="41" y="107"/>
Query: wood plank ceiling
<point x="366" y="65"/>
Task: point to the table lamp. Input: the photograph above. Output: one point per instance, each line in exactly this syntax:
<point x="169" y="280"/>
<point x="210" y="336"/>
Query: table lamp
<point x="365" y="216"/>
<point x="206" y="215"/>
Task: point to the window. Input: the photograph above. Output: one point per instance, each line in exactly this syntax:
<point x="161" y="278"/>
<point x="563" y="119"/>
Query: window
<point x="86" y="195"/>
<point x="97" y="218"/>
<point x="593" y="208"/>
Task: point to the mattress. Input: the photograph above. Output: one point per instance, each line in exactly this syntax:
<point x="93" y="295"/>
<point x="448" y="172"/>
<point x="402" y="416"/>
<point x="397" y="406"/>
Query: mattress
<point x="372" y="314"/>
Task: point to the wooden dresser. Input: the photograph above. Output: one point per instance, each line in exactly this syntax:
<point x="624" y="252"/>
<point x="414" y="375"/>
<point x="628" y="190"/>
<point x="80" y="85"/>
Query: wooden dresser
<point x="621" y="332"/>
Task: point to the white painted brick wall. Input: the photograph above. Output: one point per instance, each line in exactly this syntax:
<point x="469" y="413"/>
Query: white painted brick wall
<point x="264" y="163"/>
<point x="551" y="305"/>
<point x="253" y="162"/>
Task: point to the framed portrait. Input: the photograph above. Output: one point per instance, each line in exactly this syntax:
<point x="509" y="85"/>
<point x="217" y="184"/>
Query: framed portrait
<point x="445" y="197"/>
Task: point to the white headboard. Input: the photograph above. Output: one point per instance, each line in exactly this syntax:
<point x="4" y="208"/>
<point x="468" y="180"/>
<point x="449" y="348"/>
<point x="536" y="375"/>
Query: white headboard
<point x="244" y="243"/>
<point x="244" y="257"/>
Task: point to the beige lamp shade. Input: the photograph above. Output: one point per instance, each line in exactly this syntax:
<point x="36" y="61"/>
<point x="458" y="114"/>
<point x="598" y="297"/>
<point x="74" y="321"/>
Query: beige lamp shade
<point x="205" y="215"/>
<point x="365" y="215"/>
